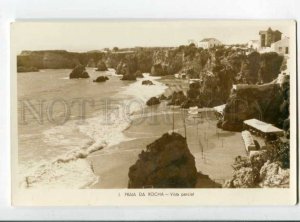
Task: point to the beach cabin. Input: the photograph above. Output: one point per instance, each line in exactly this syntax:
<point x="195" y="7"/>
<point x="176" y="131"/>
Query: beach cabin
<point x="248" y="141"/>
<point x="193" y="110"/>
<point x="263" y="129"/>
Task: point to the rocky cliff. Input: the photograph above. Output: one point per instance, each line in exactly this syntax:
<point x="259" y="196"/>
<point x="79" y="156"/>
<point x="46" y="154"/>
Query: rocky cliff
<point x="56" y="59"/>
<point x="267" y="102"/>
<point x="217" y="68"/>
<point x="263" y="168"/>
<point x="166" y="163"/>
<point x="79" y="72"/>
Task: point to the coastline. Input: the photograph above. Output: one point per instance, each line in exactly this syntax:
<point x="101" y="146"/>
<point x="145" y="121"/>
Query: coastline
<point x="214" y="159"/>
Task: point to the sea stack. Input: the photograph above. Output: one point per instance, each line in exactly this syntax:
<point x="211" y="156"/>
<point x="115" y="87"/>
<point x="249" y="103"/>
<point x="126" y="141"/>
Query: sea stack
<point x="101" y="66"/>
<point x="153" y="101"/>
<point x="101" y="79"/>
<point x="79" y="72"/>
<point x="166" y="163"/>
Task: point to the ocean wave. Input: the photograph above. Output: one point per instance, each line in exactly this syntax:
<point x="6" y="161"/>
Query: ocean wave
<point x="70" y="168"/>
<point x="145" y="92"/>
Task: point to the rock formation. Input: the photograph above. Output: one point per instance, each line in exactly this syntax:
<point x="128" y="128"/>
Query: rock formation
<point x="129" y="77"/>
<point x="217" y="69"/>
<point x="263" y="168"/>
<point x="101" y="66"/>
<point x="147" y="82"/>
<point x="253" y="101"/>
<point x="138" y="74"/>
<point x="166" y="163"/>
<point x="272" y="175"/>
<point x="153" y="101"/>
<point x="128" y="68"/>
<point x="79" y="72"/>
<point x="162" y="97"/>
<point x="101" y="79"/>
<point x="242" y="178"/>
<point x="177" y="98"/>
<point x="203" y="181"/>
<point x="91" y="63"/>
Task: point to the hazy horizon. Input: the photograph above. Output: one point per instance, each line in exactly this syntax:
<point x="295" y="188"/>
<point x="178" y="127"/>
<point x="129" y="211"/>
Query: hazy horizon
<point x="97" y="35"/>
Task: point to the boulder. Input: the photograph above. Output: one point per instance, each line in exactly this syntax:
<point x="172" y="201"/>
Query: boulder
<point x="101" y="79"/>
<point x="79" y="72"/>
<point x="162" y="97"/>
<point x="85" y="75"/>
<point x="272" y="175"/>
<point x="138" y="74"/>
<point x="147" y="82"/>
<point x="245" y="177"/>
<point x="240" y="162"/>
<point x="128" y="77"/>
<point x="258" y="159"/>
<point x="177" y="98"/>
<point x="153" y="101"/>
<point x="166" y="163"/>
<point x="101" y="66"/>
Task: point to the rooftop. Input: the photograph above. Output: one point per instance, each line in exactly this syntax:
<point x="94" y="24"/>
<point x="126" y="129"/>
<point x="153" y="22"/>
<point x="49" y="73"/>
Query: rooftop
<point x="269" y="30"/>
<point x="207" y="39"/>
<point x="262" y="126"/>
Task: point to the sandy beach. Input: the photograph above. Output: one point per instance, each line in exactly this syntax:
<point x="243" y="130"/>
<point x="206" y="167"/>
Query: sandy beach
<point x="214" y="149"/>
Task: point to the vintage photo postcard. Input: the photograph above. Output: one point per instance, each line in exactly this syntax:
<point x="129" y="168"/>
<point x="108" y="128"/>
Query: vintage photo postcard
<point x="153" y="113"/>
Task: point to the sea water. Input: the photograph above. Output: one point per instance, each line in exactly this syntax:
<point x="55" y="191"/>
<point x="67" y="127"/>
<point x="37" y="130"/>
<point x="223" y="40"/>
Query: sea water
<point x="61" y="121"/>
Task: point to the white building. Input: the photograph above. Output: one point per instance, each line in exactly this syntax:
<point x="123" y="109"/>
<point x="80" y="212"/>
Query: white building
<point x="281" y="46"/>
<point x="192" y="41"/>
<point x="253" y="44"/>
<point x="209" y="43"/>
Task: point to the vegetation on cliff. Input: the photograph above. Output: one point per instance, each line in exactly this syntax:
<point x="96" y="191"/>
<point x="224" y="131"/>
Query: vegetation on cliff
<point x="217" y="68"/>
<point x="268" y="102"/>
<point x="263" y="168"/>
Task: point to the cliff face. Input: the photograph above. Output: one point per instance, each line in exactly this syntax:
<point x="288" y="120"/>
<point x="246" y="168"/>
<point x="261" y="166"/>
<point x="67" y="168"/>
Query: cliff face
<point x="268" y="102"/>
<point x="166" y="62"/>
<point x="217" y="68"/>
<point x="56" y="59"/>
<point x="252" y="102"/>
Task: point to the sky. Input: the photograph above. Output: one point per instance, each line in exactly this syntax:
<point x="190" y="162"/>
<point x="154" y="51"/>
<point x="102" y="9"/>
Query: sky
<point x="96" y="35"/>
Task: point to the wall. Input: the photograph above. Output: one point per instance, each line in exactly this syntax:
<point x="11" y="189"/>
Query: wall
<point x="281" y="46"/>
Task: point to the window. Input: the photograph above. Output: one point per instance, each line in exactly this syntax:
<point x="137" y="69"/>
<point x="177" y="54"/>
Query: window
<point x="279" y="49"/>
<point x="286" y="50"/>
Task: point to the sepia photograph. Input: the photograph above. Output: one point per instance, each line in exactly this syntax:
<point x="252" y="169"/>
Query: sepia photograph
<point x="136" y="109"/>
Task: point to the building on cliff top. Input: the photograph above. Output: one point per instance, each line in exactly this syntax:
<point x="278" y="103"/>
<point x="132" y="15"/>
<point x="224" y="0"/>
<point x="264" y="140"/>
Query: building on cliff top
<point x="268" y="37"/>
<point x="209" y="43"/>
<point x="281" y="46"/>
<point x="253" y="44"/>
<point x="270" y="41"/>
